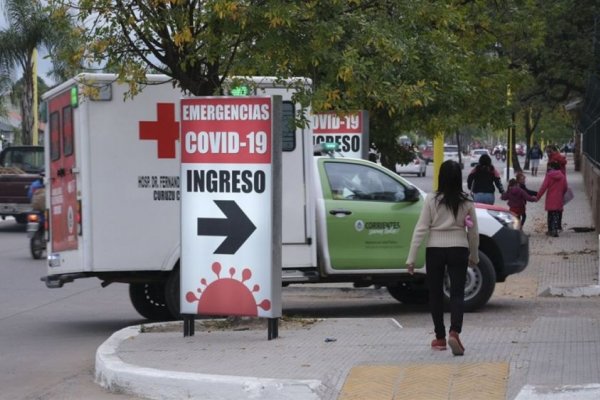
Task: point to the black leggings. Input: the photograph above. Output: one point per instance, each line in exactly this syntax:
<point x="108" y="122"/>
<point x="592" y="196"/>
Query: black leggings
<point x="455" y="260"/>
<point x="554" y="221"/>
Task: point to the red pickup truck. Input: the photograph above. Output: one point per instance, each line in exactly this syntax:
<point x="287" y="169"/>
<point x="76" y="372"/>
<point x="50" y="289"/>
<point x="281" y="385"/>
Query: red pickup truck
<point x="20" y="166"/>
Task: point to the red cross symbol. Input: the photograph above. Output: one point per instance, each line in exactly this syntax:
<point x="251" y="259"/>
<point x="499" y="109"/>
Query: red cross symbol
<point x="165" y="130"/>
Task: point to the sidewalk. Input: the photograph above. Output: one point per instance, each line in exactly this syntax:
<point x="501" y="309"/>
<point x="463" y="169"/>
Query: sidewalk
<point x="557" y="357"/>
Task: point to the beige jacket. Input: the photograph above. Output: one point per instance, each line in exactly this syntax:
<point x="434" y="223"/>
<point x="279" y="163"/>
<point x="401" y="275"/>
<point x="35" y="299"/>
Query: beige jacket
<point x="444" y="230"/>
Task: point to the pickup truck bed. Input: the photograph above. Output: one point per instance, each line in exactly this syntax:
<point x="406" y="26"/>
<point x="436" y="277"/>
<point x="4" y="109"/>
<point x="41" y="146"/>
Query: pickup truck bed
<point x="14" y="184"/>
<point x="20" y="166"/>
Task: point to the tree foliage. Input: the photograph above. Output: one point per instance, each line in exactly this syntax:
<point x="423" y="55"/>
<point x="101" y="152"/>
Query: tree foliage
<point x="433" y="66"/>
<point x="548" y="50"/>
<point x="28" y="28"/>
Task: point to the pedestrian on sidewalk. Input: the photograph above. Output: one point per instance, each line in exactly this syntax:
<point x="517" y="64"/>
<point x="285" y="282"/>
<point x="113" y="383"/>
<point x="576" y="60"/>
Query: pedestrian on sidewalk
<point x="517" y="199"/>
<point x="554" y="155"/>
<point x="482" y="179"/>
<point x="520" y="176"/>
<point x="535" y="155"/>
<point x="449" y="220"/>
<point x="555" y="183"/>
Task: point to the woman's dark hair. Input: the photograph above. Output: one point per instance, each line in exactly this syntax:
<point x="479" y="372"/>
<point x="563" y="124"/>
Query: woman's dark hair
<point x="485" y="163"/>
<point x="485" y="160"/>
<point x="450" y="190"/>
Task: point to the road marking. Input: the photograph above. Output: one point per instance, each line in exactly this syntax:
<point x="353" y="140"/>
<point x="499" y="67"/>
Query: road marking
<point x="485" y="381"/>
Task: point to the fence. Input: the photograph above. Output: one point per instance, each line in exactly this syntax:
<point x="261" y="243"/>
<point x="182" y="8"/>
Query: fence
<point x="589" y="126"/>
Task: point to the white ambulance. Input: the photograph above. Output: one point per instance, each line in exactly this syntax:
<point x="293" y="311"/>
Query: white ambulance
<point x="113" y="198"/>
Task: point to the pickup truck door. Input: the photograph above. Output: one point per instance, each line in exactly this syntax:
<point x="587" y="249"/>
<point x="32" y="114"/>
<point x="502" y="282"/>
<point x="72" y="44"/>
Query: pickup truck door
<point x="64" y="210"/>
<point x="370" y="217"/>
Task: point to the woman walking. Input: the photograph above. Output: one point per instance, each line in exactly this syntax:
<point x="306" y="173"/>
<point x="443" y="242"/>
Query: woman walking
<point x="535" y="155"/>
<point x="448" y="217"/>
<point x="482" y="179"/>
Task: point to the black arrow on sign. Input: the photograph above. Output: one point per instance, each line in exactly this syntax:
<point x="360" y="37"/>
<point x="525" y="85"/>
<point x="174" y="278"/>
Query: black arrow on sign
<point x="237" y="227"/>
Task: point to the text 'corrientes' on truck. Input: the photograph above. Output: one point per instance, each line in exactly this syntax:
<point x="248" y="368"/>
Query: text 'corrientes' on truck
<point x="114" y="189"/>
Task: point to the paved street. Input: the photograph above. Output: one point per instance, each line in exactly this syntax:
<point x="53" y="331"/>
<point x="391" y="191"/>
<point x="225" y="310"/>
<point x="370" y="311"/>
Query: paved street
<point x="533" y="339"/>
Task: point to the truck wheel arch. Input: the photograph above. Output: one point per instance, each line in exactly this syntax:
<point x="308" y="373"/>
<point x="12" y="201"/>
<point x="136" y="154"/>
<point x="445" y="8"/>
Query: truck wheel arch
<point x="148" y="299"/>
<point x="488" y="247"/>
<point x="172" y="295"/>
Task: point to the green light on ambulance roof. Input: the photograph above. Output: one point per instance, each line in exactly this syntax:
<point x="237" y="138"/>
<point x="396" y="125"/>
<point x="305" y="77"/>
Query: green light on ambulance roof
<point x="74" y="97"/>
<point x="330" y="146"/>
<point x="326" y="148"/>
<point x="242" y="90"/>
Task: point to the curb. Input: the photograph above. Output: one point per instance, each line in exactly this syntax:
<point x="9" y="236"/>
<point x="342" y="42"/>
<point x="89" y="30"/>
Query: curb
<point x="571" y="291"/>
<point x="117" y="376"/>
<point x="569" y="392"/>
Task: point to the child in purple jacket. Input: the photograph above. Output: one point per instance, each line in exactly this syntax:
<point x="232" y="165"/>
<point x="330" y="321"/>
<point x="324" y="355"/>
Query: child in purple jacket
<point x="517" y="199"/>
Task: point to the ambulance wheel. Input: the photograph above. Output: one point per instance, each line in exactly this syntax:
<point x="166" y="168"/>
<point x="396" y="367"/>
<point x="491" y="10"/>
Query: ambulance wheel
<point x="479" y="286"/>
<point x="172" y="293"/>
<point x="409" y="293"/>
<point x="148" y="299"/>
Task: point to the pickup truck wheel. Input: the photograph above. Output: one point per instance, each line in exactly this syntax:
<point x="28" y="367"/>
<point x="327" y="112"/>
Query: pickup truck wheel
<point x="148" y="299"/>
<point x="172" y="295"/>
<point x="479" y="286"/>
<point x="409" y="293"/>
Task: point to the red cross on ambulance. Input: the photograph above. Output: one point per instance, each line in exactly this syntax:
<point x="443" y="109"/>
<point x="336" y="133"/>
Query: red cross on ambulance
<point x="165" y="130"/>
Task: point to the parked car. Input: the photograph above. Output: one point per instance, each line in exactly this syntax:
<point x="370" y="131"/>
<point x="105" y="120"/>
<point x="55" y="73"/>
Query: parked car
<point x="476" y="153"/>
<point x="427" y="153"/>
<point x="417" y="166"/>
<point x="451" y="152"/>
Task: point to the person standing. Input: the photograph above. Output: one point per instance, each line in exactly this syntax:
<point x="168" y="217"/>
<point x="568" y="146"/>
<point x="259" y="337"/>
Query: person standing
<point x="555" y="183"/>
<point x="448" y="217"/>
<point x="535" y="155"/>
<point x="555" y="156"/>
<point x="482" y="179"/>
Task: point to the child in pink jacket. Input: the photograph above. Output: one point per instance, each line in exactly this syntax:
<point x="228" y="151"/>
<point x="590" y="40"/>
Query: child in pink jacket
<point x="555" y="184"/>
<point x="517" y="199"/>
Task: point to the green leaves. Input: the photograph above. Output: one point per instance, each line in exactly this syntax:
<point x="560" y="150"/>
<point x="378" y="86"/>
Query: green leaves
<point x="428" y="65"/>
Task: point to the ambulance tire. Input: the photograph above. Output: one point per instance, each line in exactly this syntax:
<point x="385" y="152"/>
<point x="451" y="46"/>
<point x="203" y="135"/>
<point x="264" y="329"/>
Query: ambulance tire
<point x="148" y="299"/>
<point x="479" y="287"/>
<point x="172" y="294"/>
<point x="409" y="293"/>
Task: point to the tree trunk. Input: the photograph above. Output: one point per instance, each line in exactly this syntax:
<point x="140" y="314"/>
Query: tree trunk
<point x="513" y="151"/>
<point x="27" y="104"/>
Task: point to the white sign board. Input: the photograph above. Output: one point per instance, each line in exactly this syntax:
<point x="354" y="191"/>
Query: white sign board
<point x="350" y="131"/>
<point x="227" y="222"/>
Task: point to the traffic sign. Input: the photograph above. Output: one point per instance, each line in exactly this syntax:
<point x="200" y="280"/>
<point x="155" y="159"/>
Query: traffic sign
<point x="230" y="221"/>
<point x="350" y="131"/>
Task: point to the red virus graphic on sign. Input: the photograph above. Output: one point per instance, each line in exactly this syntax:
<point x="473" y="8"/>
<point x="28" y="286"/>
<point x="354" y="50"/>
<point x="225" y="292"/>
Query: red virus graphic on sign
<point x="227" y="296"/>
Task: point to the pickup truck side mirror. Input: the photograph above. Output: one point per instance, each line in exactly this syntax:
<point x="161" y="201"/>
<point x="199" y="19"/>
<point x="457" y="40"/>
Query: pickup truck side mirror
<point x="412" y="194"/>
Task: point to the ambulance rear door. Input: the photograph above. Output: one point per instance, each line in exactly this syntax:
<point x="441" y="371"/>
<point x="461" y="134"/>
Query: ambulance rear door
<point x="63" y="202"/>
